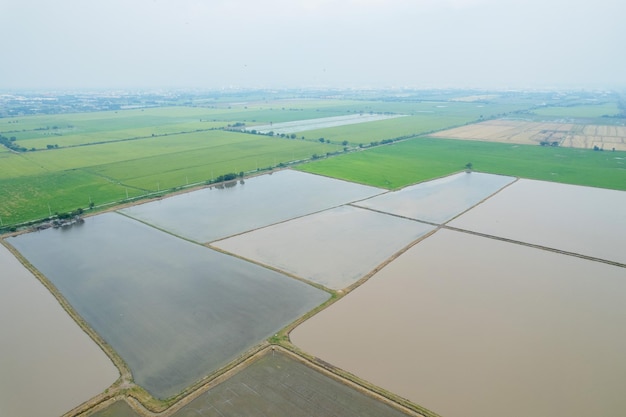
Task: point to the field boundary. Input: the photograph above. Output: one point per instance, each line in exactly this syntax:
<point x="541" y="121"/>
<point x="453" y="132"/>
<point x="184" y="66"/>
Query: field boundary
<point x="125" y="379"/>
<point x="536" y="246"/>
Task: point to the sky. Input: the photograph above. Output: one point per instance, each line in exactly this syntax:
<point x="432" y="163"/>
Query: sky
<point x="215" y="44"/>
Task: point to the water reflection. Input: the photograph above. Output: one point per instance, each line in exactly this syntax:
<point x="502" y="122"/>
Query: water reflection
<point x="439" y="200"/>
<point x="167" y="306"/>
<point x="211" y="214"/>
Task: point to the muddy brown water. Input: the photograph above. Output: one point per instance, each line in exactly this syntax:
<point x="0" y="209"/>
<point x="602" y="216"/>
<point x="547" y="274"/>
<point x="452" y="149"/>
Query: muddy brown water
<point x="48" y="364"/>
<point x="584" y="220"/>
<point x="469" y="326"/>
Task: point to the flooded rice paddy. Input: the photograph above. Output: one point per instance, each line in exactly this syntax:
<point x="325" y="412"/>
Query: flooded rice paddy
<point x="334" y="248"/>
<point x="215" y="213"/>
<point x="472" y="326"/>
<point x="174" y="311"/>
<point x="461" y="323"/>
<point x="320" y="123"/>
<point x="583" y="220"/>
<point x="439" y="200"/>
<point x="48" y="365"/>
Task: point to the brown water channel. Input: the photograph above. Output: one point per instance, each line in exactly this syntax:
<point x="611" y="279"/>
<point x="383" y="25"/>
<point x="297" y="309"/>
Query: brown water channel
<point x="470" y="326"/>
<point x="174" y="311"/>
<point x="48" y="365"/>
<point x="216" y="213"/>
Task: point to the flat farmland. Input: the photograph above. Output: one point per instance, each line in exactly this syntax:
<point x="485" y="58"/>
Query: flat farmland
<point x="411" y="161"/>
<point x="116" y="155"/>
<point x="334" y="248"/>
<point x="97" y="127"/>
<point x="481" y="327"/>
<point x="334" y="107"/>
<point x="582" y="220"/>
<point x="386" y="129"/>
<point x="439" y="200"/>
<point x="579" y="111"/>
<point x="68" y="178"/>
<point x="421" y="118"/>
<point x="276" y="384"/>
<point x="118" y="409"/>
<point x="320" y="123"/>
<point x="48" y="364"/>
<point x="533" y="133"/>
<point x="108" y="153"/>
<point x="239" y="153"/>
<point x="168" y="307"/>
<point x="211" y="214"/>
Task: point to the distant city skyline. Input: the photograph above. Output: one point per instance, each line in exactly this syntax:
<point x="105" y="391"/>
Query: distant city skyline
<point x="150" y="44"/>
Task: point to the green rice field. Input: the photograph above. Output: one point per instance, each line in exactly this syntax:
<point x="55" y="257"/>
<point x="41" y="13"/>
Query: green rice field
<point x="275" y="385"/>
<point x="108" y="157"/>
<point x="584" y="111"/>
<point x="35" y="184"/>
<point x="416" y="160"/>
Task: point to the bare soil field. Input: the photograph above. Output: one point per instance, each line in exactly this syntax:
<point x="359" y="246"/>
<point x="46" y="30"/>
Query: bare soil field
<point x="479" y="326"/>
<point x="534" y="133"/>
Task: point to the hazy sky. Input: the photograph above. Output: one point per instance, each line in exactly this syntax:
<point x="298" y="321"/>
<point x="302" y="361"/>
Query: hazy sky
<point x="312" y="43"/>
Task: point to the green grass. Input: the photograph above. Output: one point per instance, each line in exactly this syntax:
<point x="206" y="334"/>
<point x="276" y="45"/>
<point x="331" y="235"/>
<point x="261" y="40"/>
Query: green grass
<point x="67" y="178"/>
<point x="97" y="127"/>
<point x="28" y="197"/>
<point x="118" y="153"/>
<point x="365" y="133"/>
<point x="398" y="165"/>
<point x="580" y="111"/>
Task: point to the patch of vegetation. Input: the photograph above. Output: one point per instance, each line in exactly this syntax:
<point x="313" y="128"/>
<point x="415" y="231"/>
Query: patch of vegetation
<point x="579" y="111"/>
<point x="421" y="159"/>
<point x="114" y="172"/>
